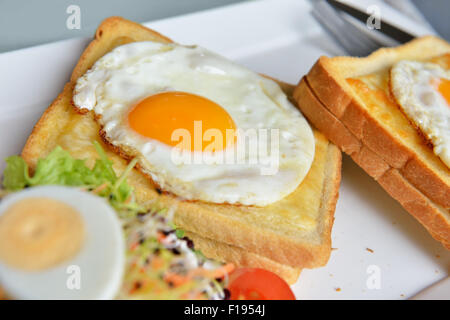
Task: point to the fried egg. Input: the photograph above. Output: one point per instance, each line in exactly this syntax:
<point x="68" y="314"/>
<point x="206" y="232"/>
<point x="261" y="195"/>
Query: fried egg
<point x="201" y="126"/>
<point x="422" y="90"/>
<point x="60" y="243"/>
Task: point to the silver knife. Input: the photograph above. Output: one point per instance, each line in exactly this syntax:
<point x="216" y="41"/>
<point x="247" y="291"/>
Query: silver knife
<point x="385" y="28"/>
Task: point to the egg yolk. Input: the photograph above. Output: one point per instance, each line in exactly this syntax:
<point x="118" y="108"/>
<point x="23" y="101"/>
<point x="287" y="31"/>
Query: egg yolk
<point x="160" y="115"/>
<point x="443" y="86"/>
<point x="40" y="233"/>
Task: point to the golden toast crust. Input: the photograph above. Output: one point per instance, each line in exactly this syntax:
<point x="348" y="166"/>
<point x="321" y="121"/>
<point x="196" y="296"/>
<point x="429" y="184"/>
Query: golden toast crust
<point x="327" y="79"/>
<point x="432" y="216"/>
<point x="241" y="258"/>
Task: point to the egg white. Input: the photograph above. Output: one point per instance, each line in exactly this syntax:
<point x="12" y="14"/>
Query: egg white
<point x="101" y="259"/>
<point x="411" y="86"/>
<point x="131" y="72"/>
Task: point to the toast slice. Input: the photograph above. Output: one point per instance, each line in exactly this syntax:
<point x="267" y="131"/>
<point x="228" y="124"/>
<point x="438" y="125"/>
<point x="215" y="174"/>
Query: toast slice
<point x="294" y="231"/>
<point x="242" y="258"/>
<point x="349" y="100"/>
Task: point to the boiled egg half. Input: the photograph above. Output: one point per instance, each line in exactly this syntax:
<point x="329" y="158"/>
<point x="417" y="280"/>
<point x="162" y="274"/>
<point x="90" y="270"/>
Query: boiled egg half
<point x="60" y="243"/>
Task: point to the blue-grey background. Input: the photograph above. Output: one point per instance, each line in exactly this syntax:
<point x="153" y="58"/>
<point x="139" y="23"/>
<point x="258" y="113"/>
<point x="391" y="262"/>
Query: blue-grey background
<point x="437" y="12"/>
<point x="25" y="23"/>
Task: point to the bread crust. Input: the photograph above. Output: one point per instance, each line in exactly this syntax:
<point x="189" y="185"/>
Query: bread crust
<point x="433" y="216"/>
<point x="201" y="218"/>
<point x="327" y="79"/>
<point x="113" y="31"/>
<point x="242" y="258"/>
<point x="284" y="250"/>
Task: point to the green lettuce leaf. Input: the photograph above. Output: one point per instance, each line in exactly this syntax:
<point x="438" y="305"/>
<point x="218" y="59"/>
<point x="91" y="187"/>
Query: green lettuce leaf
<point x="60" y="168"/>
<point x="15" y="176"/>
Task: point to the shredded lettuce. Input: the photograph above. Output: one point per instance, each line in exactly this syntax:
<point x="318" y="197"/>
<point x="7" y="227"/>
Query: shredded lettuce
<point x="179" y="233"/>
<point x="60" y="168"/>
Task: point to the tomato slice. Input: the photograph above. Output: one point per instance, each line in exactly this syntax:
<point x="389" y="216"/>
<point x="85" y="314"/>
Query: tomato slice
<point x="258" y="284"/>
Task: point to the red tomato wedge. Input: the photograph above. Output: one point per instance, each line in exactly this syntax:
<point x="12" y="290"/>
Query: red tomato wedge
<point x="258" y="284"/>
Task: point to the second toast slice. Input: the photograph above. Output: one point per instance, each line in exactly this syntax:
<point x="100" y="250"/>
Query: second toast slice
<point x="350" y="101"/>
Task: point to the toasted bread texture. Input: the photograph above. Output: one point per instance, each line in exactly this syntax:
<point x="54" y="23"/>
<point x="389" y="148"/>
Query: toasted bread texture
<point x="294" y="231"/>
<point x="349" y="100"/>
<point x="242" y="258"/>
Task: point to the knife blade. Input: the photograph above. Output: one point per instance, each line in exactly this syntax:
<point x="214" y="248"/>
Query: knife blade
<point x="385" y="27"/>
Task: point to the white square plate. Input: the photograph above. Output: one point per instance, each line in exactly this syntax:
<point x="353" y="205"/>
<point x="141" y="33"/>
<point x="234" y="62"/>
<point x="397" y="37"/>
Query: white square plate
<point x="373" y="236"/>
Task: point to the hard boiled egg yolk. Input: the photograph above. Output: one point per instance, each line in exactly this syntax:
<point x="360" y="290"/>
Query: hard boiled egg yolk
<point x="443" y="86"/>
<point x="159" y="115"/>
<point x="39" y="233"/>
